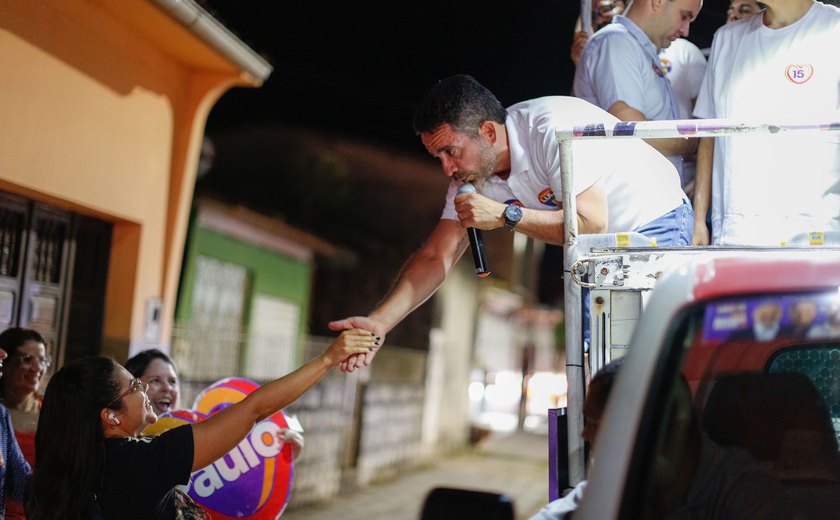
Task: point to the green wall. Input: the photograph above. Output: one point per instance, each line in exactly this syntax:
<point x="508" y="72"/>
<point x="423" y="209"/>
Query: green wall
<point x="270" y="273"/>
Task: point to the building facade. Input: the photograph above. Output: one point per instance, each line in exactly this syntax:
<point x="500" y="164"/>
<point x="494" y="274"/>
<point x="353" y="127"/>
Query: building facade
<point x="102" y="112"/>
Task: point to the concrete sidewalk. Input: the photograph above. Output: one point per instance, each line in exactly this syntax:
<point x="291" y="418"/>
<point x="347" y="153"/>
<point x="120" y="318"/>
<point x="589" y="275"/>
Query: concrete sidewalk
<point x="513" y="464"/>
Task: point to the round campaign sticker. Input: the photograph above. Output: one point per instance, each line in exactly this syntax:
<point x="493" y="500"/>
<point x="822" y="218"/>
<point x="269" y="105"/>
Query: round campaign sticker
<point x="254" y="479"/>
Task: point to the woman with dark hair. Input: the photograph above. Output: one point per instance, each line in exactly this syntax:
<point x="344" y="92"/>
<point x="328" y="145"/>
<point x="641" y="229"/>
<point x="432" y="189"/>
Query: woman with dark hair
<point x="21" y="381"/>
<point x="14" y="470"/>
<point x="19" y="392"/>
<point x="94" y="464"/>
<point x="157" y="370"/>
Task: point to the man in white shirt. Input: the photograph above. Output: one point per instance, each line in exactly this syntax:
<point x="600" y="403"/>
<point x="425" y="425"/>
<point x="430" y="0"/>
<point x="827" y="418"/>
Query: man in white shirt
<point x="512" y="158"/>
<point x="778" y="66"/>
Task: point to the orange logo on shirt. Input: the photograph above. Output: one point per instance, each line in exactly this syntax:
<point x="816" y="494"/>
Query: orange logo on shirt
<point x="799" y="74"/>
<point x="546" y="197"/>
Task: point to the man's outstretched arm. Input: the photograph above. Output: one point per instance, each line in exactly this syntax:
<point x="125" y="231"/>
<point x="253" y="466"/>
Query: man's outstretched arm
<point x="419" y="278"/>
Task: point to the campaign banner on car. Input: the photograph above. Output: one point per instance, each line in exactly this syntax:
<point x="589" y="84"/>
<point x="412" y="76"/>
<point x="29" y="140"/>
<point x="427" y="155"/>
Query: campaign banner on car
<point x="771" y="317"/>
<point x="254" y="479"/>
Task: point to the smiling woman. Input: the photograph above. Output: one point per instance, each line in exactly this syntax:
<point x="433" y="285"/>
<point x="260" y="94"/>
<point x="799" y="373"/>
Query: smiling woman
<point x="157" y="370"/>
<point x="23" y="369"/>
<point x="21" y="381"/>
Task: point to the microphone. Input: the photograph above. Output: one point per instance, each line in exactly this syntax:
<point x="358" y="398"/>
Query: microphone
<point x="476" y="242"/>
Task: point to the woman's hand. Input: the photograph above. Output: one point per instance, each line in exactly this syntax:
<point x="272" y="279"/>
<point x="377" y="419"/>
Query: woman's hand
<point x="349" y="343"/>
<point x="362" y="322"/>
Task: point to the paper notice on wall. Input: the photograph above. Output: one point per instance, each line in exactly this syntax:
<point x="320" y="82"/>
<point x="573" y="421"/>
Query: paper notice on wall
<point x="272" y="340"/>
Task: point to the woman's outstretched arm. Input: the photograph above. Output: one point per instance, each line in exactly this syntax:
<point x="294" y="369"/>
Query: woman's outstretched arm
<point x="220" y="433"/>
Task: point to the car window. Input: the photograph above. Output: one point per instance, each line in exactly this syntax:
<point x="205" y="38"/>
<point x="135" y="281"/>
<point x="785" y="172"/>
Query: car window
<point x="820" y="363"/>
<point x="745" y="422"/>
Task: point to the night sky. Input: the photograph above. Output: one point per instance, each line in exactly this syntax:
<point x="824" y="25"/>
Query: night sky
<point x="359" y="68"/>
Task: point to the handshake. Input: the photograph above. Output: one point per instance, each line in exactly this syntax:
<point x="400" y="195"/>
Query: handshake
<point x="360" y="323"/>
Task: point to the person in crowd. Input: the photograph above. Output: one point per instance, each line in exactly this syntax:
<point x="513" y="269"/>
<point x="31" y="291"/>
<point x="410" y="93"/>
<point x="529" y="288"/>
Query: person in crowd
<point x="20" y="393"/>
<point x="512" y="158"/>
<point x="157" y="370"/>
<point x="593" y="408"/>
<point x="602" y="14"/>
<point x="98" y="466"/>
<point x="620" y="69"/>
<point x="741" y="8"/>
<point x="778" y="66"/>
<point x="14" y="470"/>
<point x="21" y="382"/>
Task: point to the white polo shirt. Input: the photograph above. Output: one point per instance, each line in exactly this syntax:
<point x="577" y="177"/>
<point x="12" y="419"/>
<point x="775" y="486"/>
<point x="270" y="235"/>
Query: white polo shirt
<point x="640" y="183"/>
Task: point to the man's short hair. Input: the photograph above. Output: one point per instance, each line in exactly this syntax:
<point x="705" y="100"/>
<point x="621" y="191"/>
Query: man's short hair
<point x="460" y="101"/>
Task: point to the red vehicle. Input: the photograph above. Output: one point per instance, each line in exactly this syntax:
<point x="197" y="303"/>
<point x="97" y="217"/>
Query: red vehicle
<point x="728" y="402"/>
<point x="727" y="405"/>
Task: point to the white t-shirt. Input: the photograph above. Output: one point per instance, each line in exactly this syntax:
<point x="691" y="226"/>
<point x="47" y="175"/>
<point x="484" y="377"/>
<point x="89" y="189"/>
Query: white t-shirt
<point x="641" y="184"/>
<point x="684" y="65"/>
<point x="768" y="188"/>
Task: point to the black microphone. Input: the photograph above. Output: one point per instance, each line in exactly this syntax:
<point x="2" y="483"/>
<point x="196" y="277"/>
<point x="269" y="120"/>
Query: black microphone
<point x="476" y="242"/>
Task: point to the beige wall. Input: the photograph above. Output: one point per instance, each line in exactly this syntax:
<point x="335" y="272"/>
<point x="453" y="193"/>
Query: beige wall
<point x="446" y="419"/>
<point x="96" y="117"/>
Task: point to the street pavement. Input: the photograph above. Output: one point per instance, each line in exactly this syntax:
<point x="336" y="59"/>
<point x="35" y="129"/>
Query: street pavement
<point x="512" y="464"/>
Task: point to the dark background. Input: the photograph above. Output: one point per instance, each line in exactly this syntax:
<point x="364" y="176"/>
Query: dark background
<point x="326" y="143"/>
<point x="359" y="68"/>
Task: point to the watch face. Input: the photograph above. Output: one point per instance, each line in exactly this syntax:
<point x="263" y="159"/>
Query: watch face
<point x="513" y="213"/>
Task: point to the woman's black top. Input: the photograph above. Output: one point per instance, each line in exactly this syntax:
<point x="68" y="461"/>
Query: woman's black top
<point x="141" y="474"/>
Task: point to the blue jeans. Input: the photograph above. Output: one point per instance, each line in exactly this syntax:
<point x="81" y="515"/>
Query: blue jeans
<point x="673" y="229"/>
